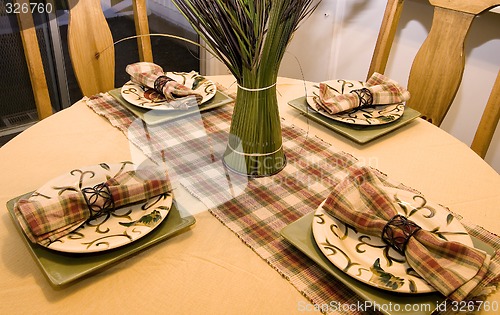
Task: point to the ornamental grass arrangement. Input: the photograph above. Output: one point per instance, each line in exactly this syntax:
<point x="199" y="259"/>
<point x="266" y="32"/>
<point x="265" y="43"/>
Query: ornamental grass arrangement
<point x="250" y="38"/>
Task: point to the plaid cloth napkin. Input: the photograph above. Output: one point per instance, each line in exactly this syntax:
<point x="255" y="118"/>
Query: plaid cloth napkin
<point x="378" y="90"/>
<point x="153" y="76"/>
<point x="46" y="219"/>
<point x="455" y="270"/>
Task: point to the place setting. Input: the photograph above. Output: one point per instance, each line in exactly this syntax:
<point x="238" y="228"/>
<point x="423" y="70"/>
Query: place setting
<point x="361" y="111"/>
<point x="157" y="96"/>
<point x="391" y="245"/>
<point x="90" y="217"/>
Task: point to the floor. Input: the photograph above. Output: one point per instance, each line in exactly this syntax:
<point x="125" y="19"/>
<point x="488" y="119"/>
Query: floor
<point x="5" y="139"/>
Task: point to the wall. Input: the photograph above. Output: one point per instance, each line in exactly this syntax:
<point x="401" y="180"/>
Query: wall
<point x="337" y="41"/>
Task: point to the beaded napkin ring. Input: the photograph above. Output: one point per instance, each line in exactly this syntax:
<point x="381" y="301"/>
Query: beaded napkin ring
<point x="397" y="232"/>
<point x="160" y="82"/>
<point x="365" y="97"/>
<point x="99" y="200"/>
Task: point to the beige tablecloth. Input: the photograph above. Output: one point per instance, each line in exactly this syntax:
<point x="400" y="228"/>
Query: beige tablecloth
<point x="207" y="269"/>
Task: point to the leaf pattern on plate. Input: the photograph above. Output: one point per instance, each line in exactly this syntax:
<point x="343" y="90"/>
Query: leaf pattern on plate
<point x="383" y="278"/>
<point x="149" y="220"/>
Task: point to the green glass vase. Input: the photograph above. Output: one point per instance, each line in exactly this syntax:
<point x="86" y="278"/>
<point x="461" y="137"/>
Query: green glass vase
<point x="255" y="142"/>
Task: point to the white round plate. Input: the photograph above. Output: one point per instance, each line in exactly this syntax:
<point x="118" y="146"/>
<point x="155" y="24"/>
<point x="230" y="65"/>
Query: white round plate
<point x="367" y="116"/>
<point x="148" y="98"/>
<point x="120" y="227"/>
<point x="369" y="259"/>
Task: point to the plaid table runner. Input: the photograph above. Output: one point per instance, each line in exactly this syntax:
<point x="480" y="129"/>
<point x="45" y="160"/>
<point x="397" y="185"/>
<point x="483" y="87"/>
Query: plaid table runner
<point x="257" y="209"/>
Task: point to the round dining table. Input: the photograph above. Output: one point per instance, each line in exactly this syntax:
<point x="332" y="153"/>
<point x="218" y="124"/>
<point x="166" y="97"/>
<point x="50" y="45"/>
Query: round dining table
<point x="207" y="269"/>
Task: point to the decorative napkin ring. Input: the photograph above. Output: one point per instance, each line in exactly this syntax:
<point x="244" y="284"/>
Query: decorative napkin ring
<point x="99" y="200"/>
<point x="160" y="82"/>
<point x="365" y="97"/>
<point x="397" y="232"/>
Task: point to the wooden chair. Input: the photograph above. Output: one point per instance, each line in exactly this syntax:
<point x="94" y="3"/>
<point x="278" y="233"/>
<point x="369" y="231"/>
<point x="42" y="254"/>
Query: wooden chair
<point x="91" y="44"/>
<point x="437" y="69"/>
<point x="34" y="62"/>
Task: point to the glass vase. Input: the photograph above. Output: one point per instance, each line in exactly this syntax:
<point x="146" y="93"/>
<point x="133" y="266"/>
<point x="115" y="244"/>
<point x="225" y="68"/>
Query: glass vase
<point x="255" y="143"/>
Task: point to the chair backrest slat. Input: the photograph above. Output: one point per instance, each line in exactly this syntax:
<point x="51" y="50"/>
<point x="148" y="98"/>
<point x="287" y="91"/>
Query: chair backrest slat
<point x="386" y="35"/>
<point x="471" y="6"/>
<point x="437" y="69"/>
<point x="34" y="62"/>
<point x="489" y="121"/>
<point x="142" y="28"/>
<point x="91" y="47"/>
<point x="91" y="44"/>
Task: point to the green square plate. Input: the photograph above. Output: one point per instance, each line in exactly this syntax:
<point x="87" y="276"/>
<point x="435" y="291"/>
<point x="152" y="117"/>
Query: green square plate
<point x="154" y="117"/>
<point x="63" y="268"/>
<point x="357" y="133"/>
<point x="299" y="234"/>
